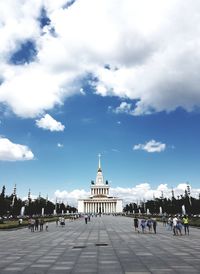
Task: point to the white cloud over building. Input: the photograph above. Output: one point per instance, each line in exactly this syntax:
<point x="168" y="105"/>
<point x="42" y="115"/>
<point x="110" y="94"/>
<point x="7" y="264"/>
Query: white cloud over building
<point x="140" y="192"/>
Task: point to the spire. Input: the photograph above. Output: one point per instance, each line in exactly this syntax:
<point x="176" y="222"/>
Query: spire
<point x="99" y="168"/>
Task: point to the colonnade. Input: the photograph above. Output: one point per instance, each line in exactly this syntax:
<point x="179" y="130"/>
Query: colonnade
<point x="100" y="207"/>
<point x="99" y="191"/>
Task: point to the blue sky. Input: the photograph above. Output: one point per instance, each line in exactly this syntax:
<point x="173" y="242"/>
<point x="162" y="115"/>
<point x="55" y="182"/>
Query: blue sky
<point x="66" y="95"/>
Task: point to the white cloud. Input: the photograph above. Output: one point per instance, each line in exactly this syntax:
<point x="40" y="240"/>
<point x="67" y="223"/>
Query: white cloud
<point x="49" y="123"/>
<point x="70" y="197"/>
<point x="14" y="152"/>
<point x="60" y="145"/>
<point x="82" y="91"/>
<point x="152" y="52"/>
<point x="137" y="193"/>
<point x="151" y="146"/>
<point x="124" y="107"/>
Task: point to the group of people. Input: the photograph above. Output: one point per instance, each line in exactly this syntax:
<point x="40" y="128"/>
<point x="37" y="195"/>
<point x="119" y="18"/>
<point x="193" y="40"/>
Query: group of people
<point x="176" y="224"/>
<point x="37" y="224"/>
<point x="145" y="224"/>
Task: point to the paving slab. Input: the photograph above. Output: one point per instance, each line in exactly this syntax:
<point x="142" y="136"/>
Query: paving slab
<point x="106" y="245"/>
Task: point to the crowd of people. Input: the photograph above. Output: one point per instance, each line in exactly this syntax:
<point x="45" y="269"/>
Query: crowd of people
<point x="173" y="223"/>
<point x="176" y="224"/>
<point x="149" y="224"/>
<point x="37" y="224"/>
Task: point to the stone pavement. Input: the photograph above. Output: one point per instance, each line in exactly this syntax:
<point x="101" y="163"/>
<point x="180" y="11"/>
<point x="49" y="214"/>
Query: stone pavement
<point x="106" y="245"/>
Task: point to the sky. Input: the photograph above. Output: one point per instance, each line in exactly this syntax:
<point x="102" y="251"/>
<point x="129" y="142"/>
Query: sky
<point x="119" y="78"/>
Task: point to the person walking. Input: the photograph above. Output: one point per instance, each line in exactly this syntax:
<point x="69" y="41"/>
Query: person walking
<point x="86" y="218"/>
<point x="32" y="224"/>
<point x="174" y="226"/>
<point x="41" y="223"/>
<point x="46" y="226"/>
<point x="186" y="224"/>
<point x="143" y="225"/>
<point x="154" y="225"/>
<point x="36" y="224"/>
<point x="149" y="224"/>
<point x="179" y="227"/>
<point x="136" y="223"/>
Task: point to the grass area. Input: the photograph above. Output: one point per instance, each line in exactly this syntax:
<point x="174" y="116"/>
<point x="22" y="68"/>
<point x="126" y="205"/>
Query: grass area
<point x="9" y="224"/>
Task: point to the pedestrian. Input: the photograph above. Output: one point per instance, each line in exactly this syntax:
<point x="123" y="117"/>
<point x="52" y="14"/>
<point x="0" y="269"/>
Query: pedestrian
<point x="143" y="225"/>
<point x="32" y="222"/>
<point x="154" y="225"/>
<point x="29" y="223"/>
<point x="164" y="219"/>
<point x="179" y="227"/>
<point x="149" y="225"/>
<point x="36" y="224"/>
<point x="170" y="223"/>
<point x="46" y="226"/>
<point x="86" y="218"/>
<point x="41" y="223"/>
<point x="136" y="222"/>
<point x="174" y="225"/>
<point x="186" y="224"/>
<point x="62" y="222"/>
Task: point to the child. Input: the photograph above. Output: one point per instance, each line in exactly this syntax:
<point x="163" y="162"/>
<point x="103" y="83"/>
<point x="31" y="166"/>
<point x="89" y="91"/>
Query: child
<point x="46" y="226"/>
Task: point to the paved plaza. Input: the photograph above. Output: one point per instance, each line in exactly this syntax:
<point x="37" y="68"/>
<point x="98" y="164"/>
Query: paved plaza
<point x="106" y="245"/>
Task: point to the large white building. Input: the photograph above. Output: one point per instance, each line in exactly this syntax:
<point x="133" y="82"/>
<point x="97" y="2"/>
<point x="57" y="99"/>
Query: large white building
<point x="99" y="200"/>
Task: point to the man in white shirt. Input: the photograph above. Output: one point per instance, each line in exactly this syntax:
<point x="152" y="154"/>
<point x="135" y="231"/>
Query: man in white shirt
<point x="175" y="219"/>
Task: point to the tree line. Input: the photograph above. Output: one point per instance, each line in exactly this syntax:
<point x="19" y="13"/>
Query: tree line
<point x="12" y="205"/>
<point x="180" y="205"/>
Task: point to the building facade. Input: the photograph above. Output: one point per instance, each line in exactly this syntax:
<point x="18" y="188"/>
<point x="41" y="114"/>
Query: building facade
<point x="99" y="201"/>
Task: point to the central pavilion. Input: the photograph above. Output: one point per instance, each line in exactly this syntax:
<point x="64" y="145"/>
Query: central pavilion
<point x="99" y="200"/>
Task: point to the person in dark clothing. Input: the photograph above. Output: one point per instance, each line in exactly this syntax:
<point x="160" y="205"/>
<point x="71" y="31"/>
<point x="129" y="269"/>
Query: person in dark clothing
<point x="154" y="225"/>
<point x="36" y="224"/>
<point x="136" y="223"/>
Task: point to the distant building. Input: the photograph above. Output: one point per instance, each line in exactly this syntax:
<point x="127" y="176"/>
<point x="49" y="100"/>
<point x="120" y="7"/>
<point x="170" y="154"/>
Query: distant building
<point x="100" y="201"/>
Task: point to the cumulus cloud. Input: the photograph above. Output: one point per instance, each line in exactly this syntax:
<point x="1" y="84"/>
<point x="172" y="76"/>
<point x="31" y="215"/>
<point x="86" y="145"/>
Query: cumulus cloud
<point x="49" y="123"/>
<point x="137" y="193"/>
<point x="14" y="152"/>
<point x="60" y="145"/>
<point x="124" y="107"/>
<point x="151" y="54"/>
<point x="70" y="197"/>
<point x="151" y="146"/>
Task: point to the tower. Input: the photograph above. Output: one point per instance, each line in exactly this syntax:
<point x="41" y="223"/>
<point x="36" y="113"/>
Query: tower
<point x="99" y="188"/>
